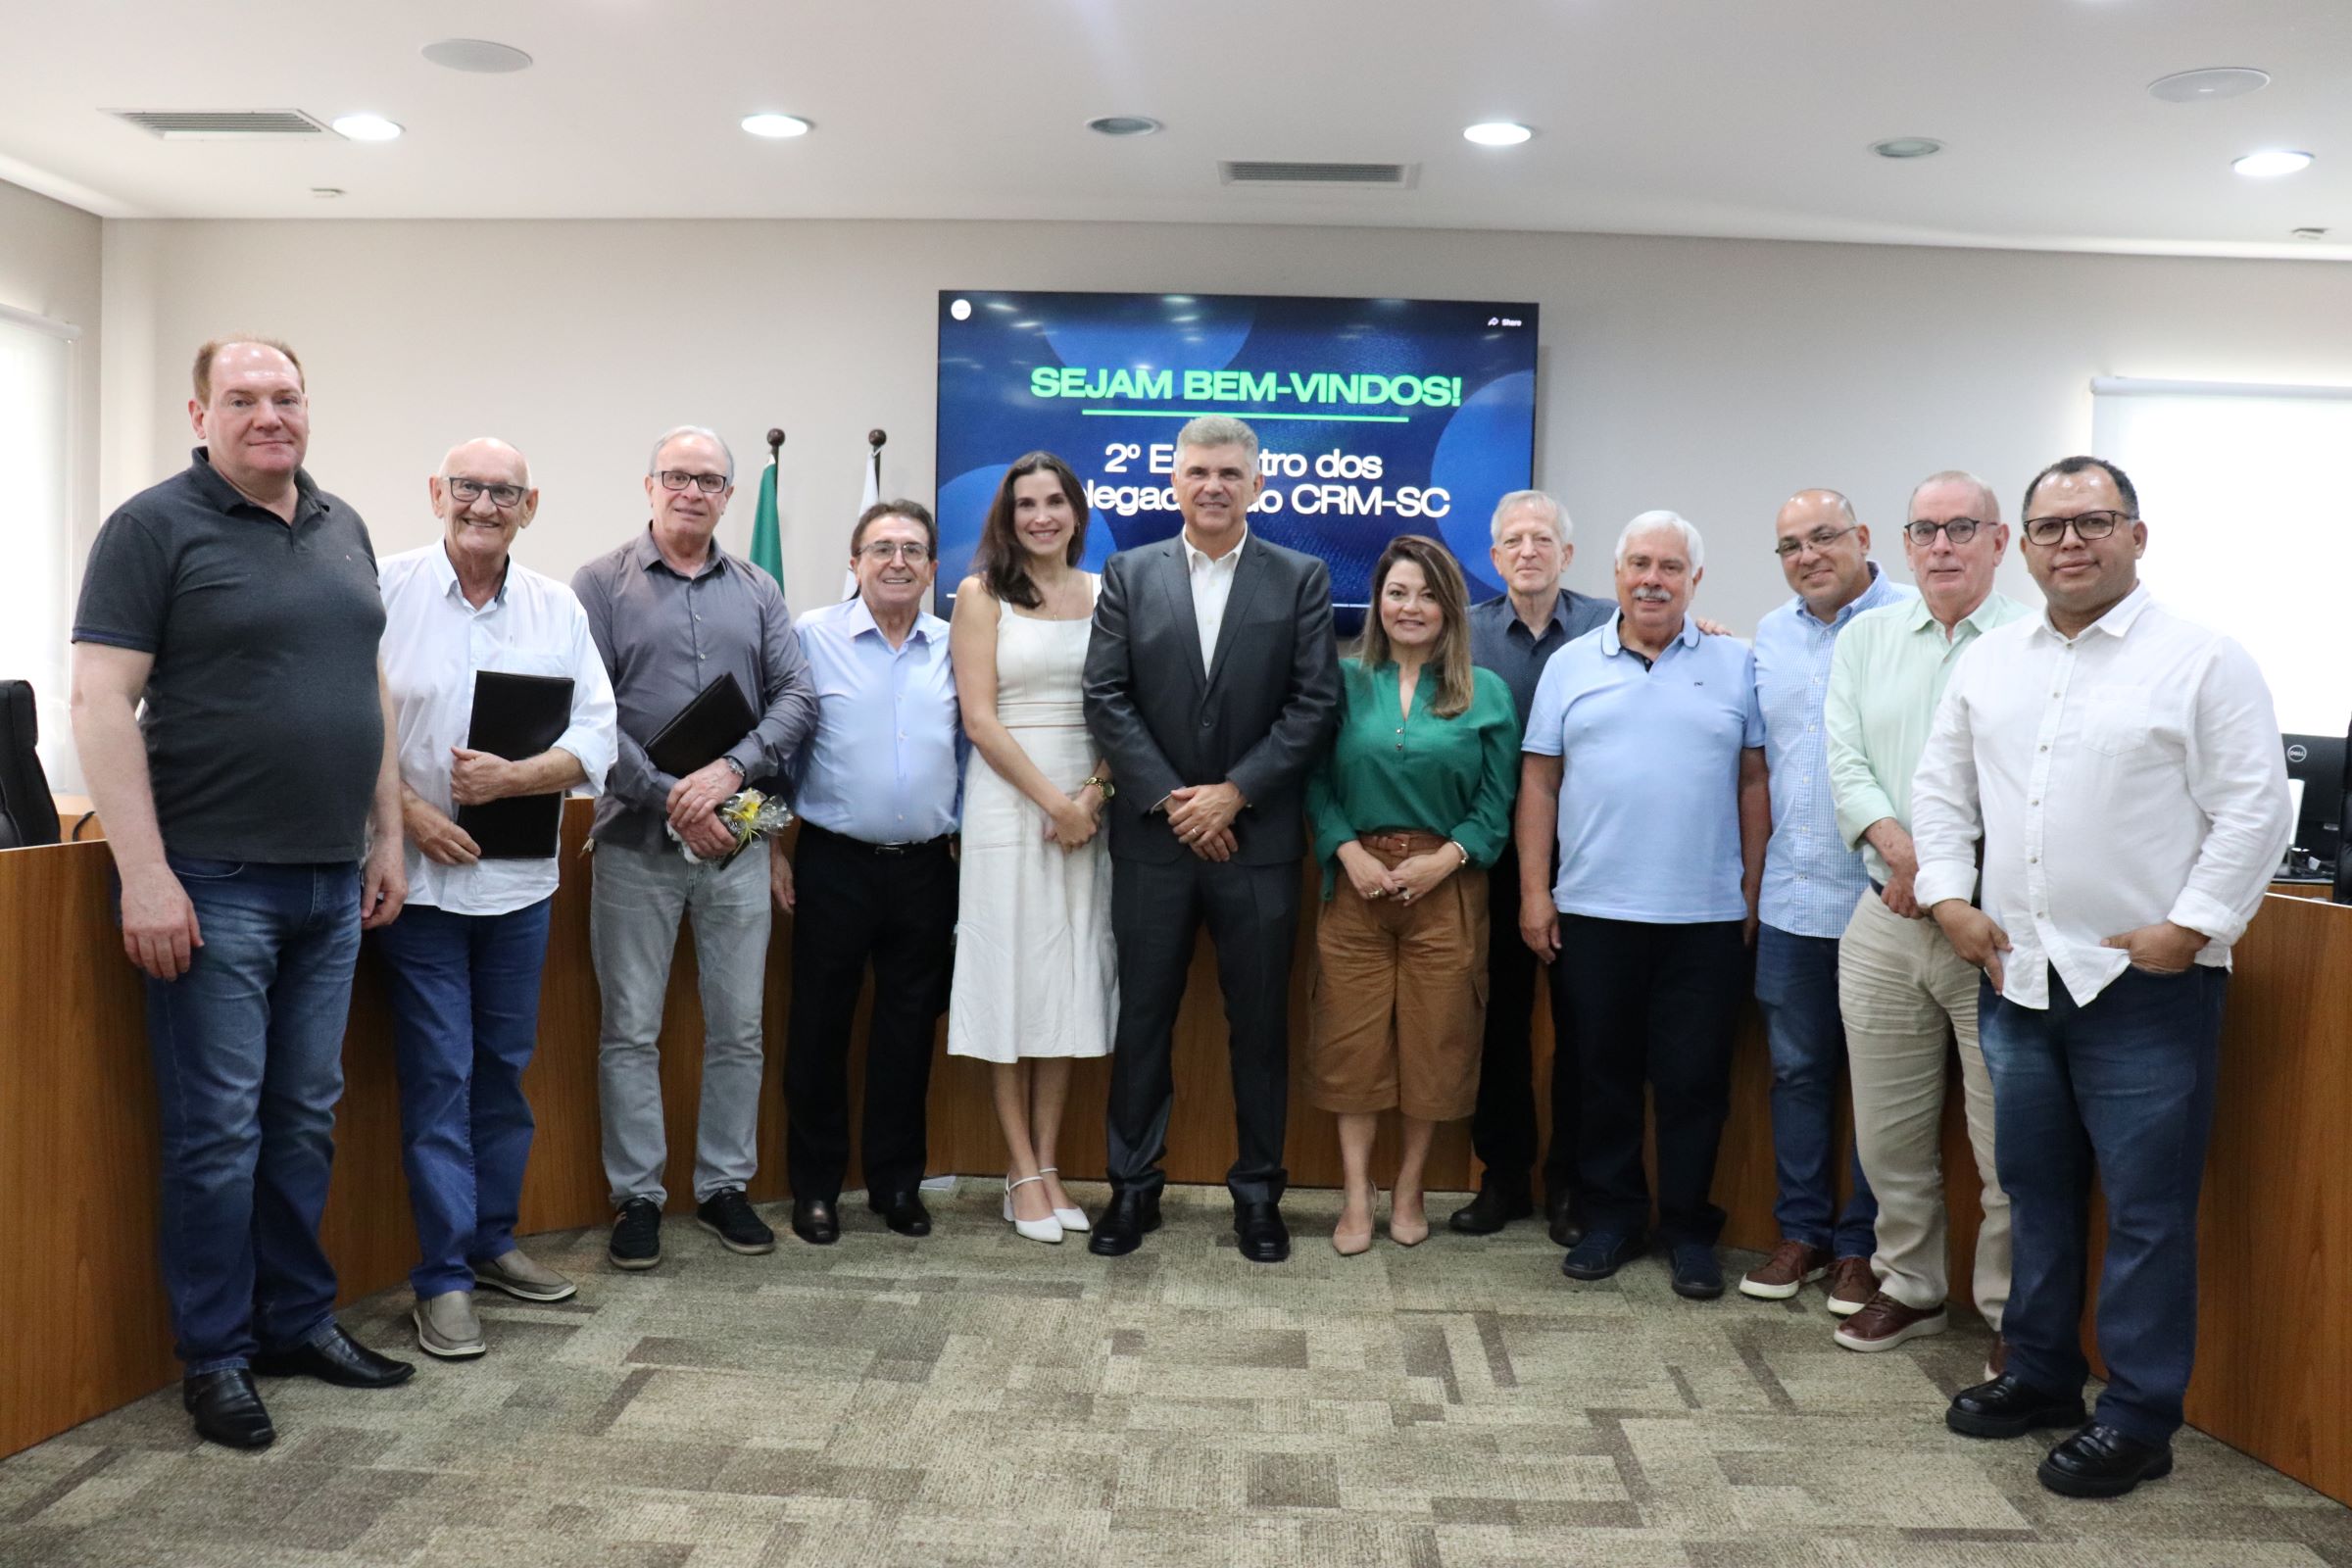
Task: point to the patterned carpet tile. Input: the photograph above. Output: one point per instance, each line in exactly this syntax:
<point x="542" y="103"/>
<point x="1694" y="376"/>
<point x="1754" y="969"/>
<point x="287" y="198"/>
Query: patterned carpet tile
<point x="975" y="1399"/>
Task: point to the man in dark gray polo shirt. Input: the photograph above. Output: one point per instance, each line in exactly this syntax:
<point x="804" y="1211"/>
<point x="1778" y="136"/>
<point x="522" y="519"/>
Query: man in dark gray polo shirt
<point x="671" y="611"/>
<point x="237" y="600"/>
<point x="1514" y="635"/>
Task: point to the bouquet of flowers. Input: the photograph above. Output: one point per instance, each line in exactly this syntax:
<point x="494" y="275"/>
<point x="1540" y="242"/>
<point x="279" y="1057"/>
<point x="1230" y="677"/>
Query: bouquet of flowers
<point x="748" y="815"/>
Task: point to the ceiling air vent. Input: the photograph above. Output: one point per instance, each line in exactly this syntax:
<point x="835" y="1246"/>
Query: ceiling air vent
<point x="222" y="125"/>
<point x="1248" y="172"/>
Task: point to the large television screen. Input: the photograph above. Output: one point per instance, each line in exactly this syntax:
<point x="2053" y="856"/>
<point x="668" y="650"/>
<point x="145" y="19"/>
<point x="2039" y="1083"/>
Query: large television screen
<point x="1376" y="417"/>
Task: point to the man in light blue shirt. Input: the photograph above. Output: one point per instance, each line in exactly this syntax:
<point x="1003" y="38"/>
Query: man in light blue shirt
<point x="877" y="790"/>
<point x="1643" y="760"/>
<point x="1811" y="883"/>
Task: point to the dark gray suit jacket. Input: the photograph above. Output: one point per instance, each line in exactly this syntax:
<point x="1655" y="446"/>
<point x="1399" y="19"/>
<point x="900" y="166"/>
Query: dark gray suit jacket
<point x="1261" y="716"/>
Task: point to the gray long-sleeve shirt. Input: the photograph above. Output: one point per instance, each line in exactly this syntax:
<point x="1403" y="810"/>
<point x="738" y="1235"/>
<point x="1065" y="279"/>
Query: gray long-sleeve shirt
<point x="663" y="638"/>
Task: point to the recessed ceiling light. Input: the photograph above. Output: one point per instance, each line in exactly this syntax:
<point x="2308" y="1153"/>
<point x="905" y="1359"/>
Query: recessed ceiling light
<point x="477" y="55"/>
<point x="326" y="193"/>
<point x="1123" y="126"/>
<point x="365" y="127"/>
<point x="2307" y="234"/>
<point x="1496" y="133"/>
<point x="1907" y="147"/>
<point x="775" y="127"/>
<point x="2208" y="84"/>
<point x="2270" y="163"/>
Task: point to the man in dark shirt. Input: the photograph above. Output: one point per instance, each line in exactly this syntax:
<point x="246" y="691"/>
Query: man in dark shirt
<point x="1514" y="635"/>
<point x="238" y="600"/>
<point x="671" y="611"/>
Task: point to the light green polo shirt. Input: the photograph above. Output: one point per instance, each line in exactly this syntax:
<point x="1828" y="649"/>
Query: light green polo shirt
<point x="1885" y="679"/>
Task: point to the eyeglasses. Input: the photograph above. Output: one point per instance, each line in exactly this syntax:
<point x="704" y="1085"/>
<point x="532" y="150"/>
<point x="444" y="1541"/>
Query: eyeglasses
<point x="1818" y="539"/>
<point x="708" y="485"/>
<point x="2088" y="525"/>
<point x="1959" y="530"/>
<point x="879" y="552"/>
<point x="468" y="491"/>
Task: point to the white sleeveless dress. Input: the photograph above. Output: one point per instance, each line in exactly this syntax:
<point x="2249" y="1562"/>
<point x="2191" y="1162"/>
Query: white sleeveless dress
<point x="1036" y="974"/>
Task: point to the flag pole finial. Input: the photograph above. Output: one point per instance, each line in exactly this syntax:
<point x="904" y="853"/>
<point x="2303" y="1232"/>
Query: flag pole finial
<point x="875" y="438"/>
<point x="775" y="444"/>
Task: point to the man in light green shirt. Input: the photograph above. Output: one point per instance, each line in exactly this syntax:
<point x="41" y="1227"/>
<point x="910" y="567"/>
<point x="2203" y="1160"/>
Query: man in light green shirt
<point x="1904" y="991"/>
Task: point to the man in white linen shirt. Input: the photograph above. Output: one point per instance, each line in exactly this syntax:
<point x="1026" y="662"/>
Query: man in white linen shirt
<point x="463" y="966"/>
<point x="2123" y="768"/>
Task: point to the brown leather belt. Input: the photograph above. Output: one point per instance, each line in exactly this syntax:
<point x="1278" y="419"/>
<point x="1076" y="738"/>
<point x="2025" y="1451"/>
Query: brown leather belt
<point x="1401" y="841"/>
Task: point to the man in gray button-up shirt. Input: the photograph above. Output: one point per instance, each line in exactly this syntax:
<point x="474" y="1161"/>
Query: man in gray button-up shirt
<point x="670" y="612"/>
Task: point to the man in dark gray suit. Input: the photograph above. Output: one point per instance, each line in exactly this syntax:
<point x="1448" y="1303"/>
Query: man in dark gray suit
<point x="1212" y="685"/>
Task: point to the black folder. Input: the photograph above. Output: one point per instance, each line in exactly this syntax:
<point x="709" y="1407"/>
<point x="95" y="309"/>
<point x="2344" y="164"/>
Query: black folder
<point x="704" y="729"/>
<point x="517" y="716"/>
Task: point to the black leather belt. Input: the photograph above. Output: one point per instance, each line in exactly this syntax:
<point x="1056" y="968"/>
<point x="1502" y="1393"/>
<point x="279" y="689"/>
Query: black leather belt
<point x="908" y="847"/>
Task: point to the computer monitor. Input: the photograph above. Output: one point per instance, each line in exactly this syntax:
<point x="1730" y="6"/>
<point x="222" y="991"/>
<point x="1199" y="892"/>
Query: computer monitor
<point x="2314" y="773"/>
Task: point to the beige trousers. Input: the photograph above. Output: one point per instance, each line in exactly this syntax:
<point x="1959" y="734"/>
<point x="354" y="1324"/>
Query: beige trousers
<point x="1906" y="996"/>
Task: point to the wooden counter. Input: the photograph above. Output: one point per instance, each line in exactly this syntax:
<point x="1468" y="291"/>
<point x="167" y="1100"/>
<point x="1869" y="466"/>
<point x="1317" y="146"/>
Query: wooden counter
<point x="78" y="1144"/>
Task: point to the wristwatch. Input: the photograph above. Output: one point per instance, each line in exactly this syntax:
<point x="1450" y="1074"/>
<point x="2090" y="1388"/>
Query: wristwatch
<point x="740" y="774"/>
<point x="1107" y="788"/>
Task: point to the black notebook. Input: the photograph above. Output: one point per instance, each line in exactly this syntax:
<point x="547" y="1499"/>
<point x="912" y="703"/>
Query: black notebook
<point x="703" y="730"/>
<point x="517" y="716"/>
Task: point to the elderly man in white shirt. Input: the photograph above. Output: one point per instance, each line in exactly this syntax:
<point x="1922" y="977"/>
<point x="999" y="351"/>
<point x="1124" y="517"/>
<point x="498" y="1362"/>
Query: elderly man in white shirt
<point x="463" y="963"/>
<point x="2123" y="769"/>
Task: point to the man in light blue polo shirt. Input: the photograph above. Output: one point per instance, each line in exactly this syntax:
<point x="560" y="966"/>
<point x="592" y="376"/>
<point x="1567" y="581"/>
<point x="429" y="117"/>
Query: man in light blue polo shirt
<point x="1812" y="882"/>
<point x="1643" y="760"/>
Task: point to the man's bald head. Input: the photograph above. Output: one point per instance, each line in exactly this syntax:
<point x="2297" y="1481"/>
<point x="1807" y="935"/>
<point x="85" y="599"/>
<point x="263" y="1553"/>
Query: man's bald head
<point x="476" y="456"/>
<point x="483" y="497"/>
<point x="1823" y="550"/>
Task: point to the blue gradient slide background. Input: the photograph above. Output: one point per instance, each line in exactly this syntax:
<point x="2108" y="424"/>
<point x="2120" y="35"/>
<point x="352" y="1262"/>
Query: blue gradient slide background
<point x="1477" y="452"/>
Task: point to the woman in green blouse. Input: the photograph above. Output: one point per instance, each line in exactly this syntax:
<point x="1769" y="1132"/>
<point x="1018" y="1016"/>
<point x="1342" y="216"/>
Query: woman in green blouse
<point x="1410" y="805"/>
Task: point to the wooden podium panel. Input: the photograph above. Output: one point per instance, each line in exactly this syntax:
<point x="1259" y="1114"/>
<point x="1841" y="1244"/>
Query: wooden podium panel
<point x="77" y="1142"/>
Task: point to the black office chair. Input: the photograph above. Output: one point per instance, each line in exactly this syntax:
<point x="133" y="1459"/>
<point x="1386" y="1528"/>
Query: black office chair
<point x="27" y="811"/>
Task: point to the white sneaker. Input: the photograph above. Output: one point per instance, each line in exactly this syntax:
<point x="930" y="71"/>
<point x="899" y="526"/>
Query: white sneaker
<point x="1072" y="1220"/>
<point x="1046" y="1230"/>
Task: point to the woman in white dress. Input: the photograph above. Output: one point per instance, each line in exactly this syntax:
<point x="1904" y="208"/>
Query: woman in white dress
<point x="1036" y="981"/>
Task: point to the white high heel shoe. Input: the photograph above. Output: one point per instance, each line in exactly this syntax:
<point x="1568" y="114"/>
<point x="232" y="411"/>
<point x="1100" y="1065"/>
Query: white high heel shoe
<point x="1046" y="1230"/>
<point x="1072" y="1220"/>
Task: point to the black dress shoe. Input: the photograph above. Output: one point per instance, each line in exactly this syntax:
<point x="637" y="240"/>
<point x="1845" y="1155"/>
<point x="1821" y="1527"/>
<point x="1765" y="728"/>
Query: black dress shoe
<point x="1495" y="1206"/>
<point x="903" y="1212"/>
<point x="336" y="1358"/>
<point x="2101" y="1462"/>
<point x="1264" y="1238"/>
<point x="2010" y="1407"/>
<point x="227" y="1410"/>
<point x="1559" y="1219"/>
<point x="1124" y="1222"/>
<point x="813" y="1221"/>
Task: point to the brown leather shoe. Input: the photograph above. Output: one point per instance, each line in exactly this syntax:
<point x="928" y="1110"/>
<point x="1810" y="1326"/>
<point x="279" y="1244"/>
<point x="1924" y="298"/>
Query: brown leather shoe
<point x="1852" y="1284"/>
<point x="1791" y="1266"/>
<point x="1883" y="1323"/>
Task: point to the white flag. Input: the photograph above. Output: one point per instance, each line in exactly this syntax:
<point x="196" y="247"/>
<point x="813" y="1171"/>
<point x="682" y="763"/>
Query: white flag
<point x="872" y="493"/>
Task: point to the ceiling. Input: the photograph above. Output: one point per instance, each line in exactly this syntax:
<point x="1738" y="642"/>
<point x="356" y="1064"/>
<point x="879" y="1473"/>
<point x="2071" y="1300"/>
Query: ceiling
<point x="1733" y="118"/>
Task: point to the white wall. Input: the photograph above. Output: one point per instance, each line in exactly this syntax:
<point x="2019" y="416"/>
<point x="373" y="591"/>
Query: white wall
<point x="1711" y="376"/>
<point x="49" y="265"/>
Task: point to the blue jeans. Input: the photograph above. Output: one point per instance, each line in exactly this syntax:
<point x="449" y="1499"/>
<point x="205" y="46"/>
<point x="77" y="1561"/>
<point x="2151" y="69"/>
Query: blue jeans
<point x="2121" y="1089"/>
<point x="1797" y="987"/>
<point x="248" y="1054"/>
<point x="464" y="992"/>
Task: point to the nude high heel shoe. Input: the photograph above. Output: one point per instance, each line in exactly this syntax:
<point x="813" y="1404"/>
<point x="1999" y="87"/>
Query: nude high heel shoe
<point x="1046" y="1230"/>
<point x="1072" y="1220"/>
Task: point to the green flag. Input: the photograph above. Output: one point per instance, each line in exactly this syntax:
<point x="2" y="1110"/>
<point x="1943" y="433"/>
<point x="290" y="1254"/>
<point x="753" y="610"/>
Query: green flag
<point x="768" y="542"/>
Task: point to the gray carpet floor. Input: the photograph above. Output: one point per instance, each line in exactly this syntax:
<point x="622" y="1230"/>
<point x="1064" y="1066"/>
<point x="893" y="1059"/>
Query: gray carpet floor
<point x="975" y="1399"/>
